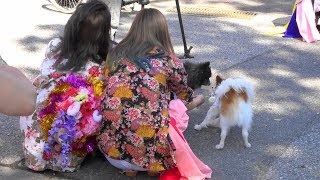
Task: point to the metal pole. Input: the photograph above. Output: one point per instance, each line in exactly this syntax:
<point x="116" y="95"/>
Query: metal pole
<point x="186" y="50"/>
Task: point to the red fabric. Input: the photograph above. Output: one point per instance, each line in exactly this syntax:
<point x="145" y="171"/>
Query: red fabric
<point x="170" y="174"/>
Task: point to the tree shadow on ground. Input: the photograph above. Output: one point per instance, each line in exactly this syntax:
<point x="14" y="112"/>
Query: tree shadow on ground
<point x="35" y="42"/>
<point x="262" y="6"/>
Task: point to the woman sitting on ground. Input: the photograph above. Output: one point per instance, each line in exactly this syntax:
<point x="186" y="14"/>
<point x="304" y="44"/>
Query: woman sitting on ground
<point x="63" y="129"/>
<point x="142" y="72"/>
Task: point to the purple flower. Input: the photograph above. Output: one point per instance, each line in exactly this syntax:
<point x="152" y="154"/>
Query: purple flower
<point x="61" y="113"/>
<point x="90" y="147"/>
<point x="50" y="109"/>
<point x="47" y="147"/>
<point x="55" y="98"/>
<point x="67" y="123"/>
<point x="76" y="81"/>
<point x="53" y="131"/>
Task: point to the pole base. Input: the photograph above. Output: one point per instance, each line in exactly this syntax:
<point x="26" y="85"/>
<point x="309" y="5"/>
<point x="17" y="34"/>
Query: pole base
<point x="187" y="54"/>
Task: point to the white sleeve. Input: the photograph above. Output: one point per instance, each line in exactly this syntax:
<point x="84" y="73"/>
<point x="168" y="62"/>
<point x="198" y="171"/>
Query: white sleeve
<point x="52" y="49"/>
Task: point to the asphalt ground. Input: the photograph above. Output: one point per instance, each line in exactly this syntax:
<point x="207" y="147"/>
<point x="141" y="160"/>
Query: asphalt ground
<point x="285" y="73"/>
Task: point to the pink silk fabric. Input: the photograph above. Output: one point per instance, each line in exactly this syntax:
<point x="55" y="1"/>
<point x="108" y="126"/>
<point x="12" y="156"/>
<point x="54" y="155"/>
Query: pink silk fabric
<point x="305" y="19"/>
<point x="189" y="166"/>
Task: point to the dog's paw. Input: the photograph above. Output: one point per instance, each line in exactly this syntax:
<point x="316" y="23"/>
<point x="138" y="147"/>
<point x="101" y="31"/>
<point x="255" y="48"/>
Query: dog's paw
<point x="248" y="145"/>
<point x="197" y="127"/>
<point x="219" y="146"/>
<point x="211" y="99"/>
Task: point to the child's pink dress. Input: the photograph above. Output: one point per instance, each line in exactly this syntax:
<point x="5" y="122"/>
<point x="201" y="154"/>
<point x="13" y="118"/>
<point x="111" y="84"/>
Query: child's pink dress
<point x="306" y="21"/>
<point x="189" y="166"/>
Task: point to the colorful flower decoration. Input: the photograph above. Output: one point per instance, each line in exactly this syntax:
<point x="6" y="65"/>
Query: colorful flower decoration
<point x="72" y="118"/>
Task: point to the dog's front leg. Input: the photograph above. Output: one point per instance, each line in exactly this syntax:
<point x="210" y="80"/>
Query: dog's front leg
<point x="212" y="113"/>
<point x="214" y="123"/>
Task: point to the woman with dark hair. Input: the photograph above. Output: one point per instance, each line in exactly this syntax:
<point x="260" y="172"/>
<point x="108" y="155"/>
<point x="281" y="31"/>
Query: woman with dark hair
<point x="142" y="72"/>
<point x="63" y="129"/>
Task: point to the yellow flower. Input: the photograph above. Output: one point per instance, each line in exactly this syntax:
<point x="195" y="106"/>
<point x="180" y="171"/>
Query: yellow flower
<point x="97" y="85"/>
<point x="153" y="51"/>
<point x="83" y="139"/>
<point x="60" y="88"/>
<point x="165" y="130"/>
<point x="146" y="132"/>
<point x="114" y="152"/>
<point x="81" y="97"/>
<point x="123" y="92"/>
<point x="165" y="113"/>
<point x="156" y="167"/>
<point x="161" y="78"/>
<point x="46" y="124"/>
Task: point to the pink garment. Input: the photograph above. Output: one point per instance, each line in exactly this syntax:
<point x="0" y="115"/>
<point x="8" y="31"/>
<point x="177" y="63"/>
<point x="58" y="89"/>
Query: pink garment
<point x="306" y="21"/>
<point x="189" y="165"/>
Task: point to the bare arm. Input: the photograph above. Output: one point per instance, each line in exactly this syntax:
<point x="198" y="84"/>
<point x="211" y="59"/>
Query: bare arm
<point x="17" y="94"/>
<point x="196" y="101"/>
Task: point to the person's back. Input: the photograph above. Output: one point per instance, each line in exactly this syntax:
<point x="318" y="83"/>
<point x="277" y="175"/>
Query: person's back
<point x="62" y="130"/>
<point x="142" y="72"/>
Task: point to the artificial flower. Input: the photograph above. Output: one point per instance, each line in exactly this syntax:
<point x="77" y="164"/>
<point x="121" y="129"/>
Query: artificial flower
<point x="81" y="98"/>
<point x="94" y="71"/>
<point x="70" y="119"/>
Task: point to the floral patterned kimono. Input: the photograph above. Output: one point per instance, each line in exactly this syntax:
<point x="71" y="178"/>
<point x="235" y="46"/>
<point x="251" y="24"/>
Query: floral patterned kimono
<point x="135" y="110"/>
<point x="63" y="128"/>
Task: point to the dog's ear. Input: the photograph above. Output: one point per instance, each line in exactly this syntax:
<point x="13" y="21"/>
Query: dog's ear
<point x="218" y="80"/>
<point x="204" y="65"/>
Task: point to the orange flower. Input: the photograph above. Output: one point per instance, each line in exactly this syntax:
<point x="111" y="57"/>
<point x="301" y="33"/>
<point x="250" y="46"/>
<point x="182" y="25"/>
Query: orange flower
<point x="182" y="95"/>
<point x="123" y="92"/>
<point x="146" y="132"/>
<point x="113" y="152"/>
<point x="161" y="78"/>
<point x="156" y="167"/>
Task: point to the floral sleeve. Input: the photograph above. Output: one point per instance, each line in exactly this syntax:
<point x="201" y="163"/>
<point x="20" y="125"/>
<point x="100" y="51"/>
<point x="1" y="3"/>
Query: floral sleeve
<point x="177" y="80"/>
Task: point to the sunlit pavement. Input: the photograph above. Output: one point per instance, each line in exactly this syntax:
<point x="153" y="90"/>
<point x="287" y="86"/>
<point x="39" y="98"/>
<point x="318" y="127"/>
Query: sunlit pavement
<point x="285" y="72"/>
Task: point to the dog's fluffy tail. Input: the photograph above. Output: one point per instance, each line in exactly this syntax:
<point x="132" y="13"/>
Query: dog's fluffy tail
<point x="237" y="84"/>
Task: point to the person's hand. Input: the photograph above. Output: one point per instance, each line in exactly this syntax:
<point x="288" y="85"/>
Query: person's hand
<point x="197" y="101"/>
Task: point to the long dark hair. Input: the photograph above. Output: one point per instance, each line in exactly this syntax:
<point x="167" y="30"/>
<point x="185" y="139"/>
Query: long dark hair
<point x="149" y="29"/>
<point x="86" y="36"/>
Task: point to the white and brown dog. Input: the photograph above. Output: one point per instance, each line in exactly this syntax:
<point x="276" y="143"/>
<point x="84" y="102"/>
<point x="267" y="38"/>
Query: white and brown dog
<point x="232" y="106"/>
